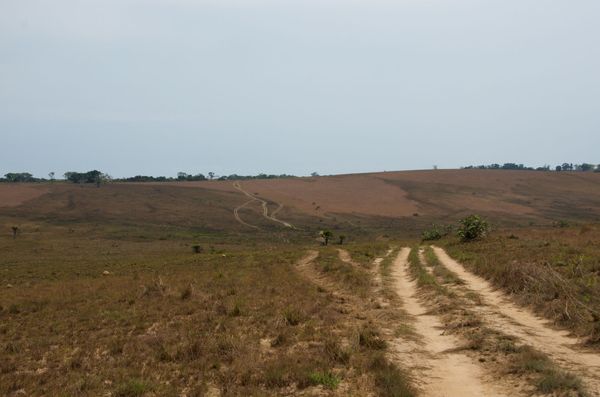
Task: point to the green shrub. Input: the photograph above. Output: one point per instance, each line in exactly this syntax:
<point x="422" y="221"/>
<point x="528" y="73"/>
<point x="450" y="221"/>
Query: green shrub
<point x="432" y="234"/>
<point x="326" y="379"/>
<point x="436" y="232"/>
<point x="132" y="388"/>
<point x="472" y="227"/>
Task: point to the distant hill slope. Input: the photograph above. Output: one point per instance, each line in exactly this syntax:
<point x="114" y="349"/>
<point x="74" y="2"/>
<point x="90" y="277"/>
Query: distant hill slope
<point x="406" y="200"/>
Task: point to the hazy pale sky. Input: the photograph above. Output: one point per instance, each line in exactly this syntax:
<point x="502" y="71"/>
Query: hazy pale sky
<point x="159" y="86"/>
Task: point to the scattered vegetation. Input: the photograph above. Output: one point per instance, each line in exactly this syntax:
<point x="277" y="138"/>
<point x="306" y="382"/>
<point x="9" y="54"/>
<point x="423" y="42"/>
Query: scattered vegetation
<point x="472" y="228"/>
<point x="435" y="233"/>
<point x="508" y="357"/>
<point x="325" y="235"/>
<point x="553" y="270"/>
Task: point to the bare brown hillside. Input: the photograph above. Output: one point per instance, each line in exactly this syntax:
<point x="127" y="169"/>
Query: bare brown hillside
<point x="406" y="200"/>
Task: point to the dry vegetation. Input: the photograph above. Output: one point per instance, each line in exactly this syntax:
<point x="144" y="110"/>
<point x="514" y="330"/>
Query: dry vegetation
<point x="501" y="353"/>
<point x="101" y="292"/>
<point x="554" y="270"/>
<point x="90" y="309"/>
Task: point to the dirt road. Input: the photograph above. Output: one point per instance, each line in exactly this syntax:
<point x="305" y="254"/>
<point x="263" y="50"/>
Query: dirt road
<point x="265" y="209"/>
<point x="439" y="371"/>
<point x="501" y="313"/>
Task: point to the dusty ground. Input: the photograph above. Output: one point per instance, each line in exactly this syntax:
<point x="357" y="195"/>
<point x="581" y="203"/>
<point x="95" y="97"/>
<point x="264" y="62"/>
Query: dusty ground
<point x="12" y="195"/>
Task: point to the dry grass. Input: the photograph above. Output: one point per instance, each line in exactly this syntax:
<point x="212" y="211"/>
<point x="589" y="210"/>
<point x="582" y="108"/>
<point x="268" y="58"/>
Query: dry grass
<point x="93" y="308"/>
<point x="556" y="271"/>
<point x="503" y="353"/>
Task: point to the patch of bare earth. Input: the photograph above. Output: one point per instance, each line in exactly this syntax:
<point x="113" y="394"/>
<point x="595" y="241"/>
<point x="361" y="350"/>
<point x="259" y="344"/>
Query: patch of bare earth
<point x="501" y="313"/>
<point x="12" y="195"/>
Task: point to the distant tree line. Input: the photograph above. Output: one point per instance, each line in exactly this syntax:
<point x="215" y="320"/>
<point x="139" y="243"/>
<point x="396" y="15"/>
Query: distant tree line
<point x="583" y="167"/>
<point x="183" y="176"/>
<point x="94" y="176"/>
<point x="98" y="177"/>
<point x="19" y="177"/>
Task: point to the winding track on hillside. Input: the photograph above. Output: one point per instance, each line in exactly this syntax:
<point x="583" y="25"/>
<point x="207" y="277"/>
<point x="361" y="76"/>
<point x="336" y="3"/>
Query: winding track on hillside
<point x="265" y="209"/>
<point x="237" y="215"/>
<point x="500" y="312"/>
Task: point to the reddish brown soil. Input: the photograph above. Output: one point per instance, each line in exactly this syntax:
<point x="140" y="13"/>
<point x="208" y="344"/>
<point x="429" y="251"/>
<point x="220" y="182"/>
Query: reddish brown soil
<point x="12" y="195"/>
<point x="440" y="196"/>
<point x="523" y="195"/>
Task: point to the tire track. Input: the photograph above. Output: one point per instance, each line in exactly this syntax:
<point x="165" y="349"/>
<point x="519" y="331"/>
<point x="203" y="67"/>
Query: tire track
<point x="237" y="215"/>
<point x="501" y="313"/>
<point x="265" y="208"/>
<point x="440" y="371"/>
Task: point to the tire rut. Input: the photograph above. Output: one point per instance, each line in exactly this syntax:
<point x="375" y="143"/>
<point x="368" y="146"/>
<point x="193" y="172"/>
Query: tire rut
<point x="264" y="205"/>
<point x="501" y="313"/>
<point x="440" y="371"/>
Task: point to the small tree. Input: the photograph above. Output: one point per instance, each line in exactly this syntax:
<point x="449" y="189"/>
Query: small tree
<point x="15" y="230"/>
<point x="326" y="235"/>
<point x="472" y="227"/>
<point x="51" y="176"/>
<point x="342" y="238"/>
<point x="211" y="175"/>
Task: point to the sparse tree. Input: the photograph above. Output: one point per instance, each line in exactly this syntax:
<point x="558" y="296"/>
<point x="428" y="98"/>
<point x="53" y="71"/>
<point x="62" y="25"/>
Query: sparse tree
<point x="182" y="176"/>
<point x="313" y="174"/>
<point x="51" y="176"/>
<point x="211" y="175"/>
<point x="326" y="235"/>
<point x="15" y="230"/>
<point x="342" y="238"/>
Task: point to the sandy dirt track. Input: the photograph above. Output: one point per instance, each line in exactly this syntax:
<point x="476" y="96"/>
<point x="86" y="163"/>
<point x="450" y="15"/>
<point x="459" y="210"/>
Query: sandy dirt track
<point x="265" y="208"/>
<point x="501" y="313"/>
<point x="442" y="373"/>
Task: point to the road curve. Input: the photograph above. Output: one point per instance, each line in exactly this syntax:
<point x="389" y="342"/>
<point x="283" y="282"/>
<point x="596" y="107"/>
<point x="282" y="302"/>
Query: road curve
<point x="264" y="205"/>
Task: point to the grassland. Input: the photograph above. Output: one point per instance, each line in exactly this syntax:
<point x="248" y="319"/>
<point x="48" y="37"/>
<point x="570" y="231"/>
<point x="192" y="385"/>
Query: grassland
<point x="101" y="291"/>
<point x="554" y="270"/>
<point x="96" y="308"/>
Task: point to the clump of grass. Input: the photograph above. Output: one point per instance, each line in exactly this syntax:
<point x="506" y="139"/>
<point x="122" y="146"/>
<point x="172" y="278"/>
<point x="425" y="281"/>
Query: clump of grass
<point x="369" y="337"/>
<point x="236" y="311"/>
<point x="558" y="381"/>
<point x="326" y="379"/>
<point x="275" y="376"/>
<point x="390" y="381"/>
<point x="132" y="388"/>
<point x="157" y="288"/>
<point x="335" y="352"/>
<point x="186" y="293"/>
<point x="292" y="316"/>
<point x="279" y="340"/>
<point x="551" y="379"/>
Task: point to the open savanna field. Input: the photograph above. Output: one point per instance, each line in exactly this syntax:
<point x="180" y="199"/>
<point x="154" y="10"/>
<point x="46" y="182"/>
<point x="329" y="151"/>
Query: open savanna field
<point x="221" y="289"/>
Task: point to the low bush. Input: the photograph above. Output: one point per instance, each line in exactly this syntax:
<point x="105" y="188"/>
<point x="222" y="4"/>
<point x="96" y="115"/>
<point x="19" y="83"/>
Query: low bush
<point x="472" y="227"/>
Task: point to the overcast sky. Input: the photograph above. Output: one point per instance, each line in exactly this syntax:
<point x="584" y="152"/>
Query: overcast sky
<point x="294" y="86"/>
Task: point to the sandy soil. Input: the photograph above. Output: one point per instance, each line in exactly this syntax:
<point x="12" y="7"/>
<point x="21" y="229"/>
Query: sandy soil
<point x="14" y="194"/>
<point x="440" y="372"/>
<point x="501" y="313"/>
